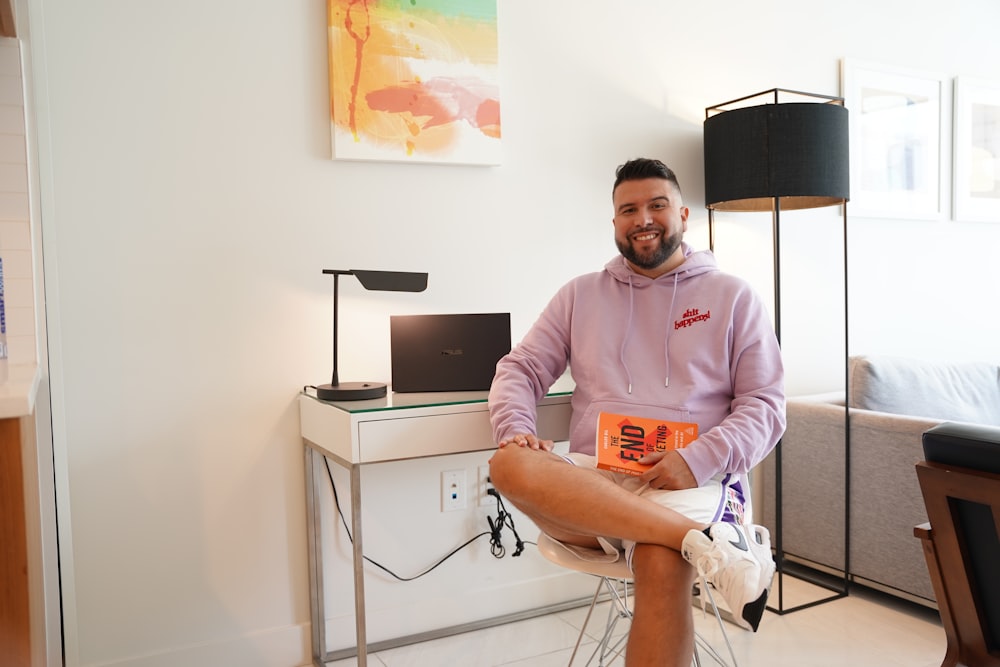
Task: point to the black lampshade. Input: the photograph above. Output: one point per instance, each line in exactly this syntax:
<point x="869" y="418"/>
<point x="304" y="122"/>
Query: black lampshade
<point x="796" y="151"/>
<point x="386" y="281"/>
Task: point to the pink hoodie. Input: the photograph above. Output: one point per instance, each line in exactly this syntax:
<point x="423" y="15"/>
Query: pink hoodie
<point x="695" y="345"/>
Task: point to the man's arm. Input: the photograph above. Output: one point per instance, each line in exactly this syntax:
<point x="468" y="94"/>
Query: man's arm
<point x="757" y="417"/>
<point x="525" y="374"/>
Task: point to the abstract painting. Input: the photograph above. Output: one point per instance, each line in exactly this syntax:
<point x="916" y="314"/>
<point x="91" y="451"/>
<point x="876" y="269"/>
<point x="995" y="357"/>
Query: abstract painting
<point x="414" y="80"/>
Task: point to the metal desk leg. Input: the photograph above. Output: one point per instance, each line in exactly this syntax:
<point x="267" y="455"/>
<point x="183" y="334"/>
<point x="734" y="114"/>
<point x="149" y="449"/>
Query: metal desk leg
<point x="359" y="567"/>
<point x="314" y="536"/>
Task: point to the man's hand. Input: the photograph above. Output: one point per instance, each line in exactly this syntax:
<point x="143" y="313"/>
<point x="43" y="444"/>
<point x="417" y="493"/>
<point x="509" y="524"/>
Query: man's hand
<point x="529" y="440"/>
<point x="669" y="471"/>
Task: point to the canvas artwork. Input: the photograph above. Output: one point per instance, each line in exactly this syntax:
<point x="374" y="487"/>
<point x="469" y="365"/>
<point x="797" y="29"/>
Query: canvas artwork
<point x="414" y="80"/>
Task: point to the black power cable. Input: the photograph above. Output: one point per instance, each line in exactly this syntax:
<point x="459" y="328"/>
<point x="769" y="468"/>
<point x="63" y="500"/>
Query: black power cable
<point x="503" y="520"/>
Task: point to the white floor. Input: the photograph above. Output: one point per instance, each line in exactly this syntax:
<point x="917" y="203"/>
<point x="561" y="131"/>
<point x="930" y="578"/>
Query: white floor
<point x="866" y="629"/>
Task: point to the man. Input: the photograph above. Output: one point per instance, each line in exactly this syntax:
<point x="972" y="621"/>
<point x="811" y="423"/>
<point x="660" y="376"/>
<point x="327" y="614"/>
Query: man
<point x="660" y="332"/>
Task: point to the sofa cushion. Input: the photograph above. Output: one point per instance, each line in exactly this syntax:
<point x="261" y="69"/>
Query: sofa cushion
<point x="960" y="391"/>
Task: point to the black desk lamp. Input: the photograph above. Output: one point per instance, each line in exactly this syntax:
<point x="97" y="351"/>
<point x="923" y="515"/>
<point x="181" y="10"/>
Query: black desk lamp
<point x="379" y="281"/>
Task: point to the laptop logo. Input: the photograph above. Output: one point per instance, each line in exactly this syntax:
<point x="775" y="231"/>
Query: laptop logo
<point x="452" y="352"/>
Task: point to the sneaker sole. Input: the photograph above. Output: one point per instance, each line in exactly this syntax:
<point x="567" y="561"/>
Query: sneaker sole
<point x="754" y="611"/>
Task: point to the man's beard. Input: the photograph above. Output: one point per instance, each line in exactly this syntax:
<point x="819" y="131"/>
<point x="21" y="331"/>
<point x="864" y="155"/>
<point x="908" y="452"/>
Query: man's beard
<point x="668" y="246"/>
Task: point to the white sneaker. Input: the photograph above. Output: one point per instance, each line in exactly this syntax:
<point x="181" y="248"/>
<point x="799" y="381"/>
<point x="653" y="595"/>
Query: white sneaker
<point x="737" y="561"/>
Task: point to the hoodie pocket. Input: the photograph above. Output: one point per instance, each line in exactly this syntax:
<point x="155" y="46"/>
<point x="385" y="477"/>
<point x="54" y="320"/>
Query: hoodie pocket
<point x="584" y="436"/>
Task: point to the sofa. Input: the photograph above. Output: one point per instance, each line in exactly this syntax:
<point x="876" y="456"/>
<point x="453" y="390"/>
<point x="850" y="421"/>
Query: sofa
<point x="893" y="401"/>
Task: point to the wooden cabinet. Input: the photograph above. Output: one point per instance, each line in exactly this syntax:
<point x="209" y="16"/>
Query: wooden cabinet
<point x="15" y="640"/>
<point x="7" y="26"/>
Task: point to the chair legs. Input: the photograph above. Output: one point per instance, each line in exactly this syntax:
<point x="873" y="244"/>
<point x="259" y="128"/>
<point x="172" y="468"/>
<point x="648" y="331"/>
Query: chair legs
<point x="708" y="648"/>
<point x="608" y="648"/>
<point x="605" y="651"/>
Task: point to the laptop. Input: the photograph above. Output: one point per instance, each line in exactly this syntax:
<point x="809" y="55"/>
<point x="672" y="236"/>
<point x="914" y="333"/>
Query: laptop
<point x="447" y="352"/>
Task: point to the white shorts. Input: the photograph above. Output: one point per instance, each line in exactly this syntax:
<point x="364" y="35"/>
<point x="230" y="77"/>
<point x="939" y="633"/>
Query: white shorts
<point x="704" y="504"/>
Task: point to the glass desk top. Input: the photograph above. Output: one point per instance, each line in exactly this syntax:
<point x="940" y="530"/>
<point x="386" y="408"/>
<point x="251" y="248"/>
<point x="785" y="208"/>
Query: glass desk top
<point x="398" y="401"/>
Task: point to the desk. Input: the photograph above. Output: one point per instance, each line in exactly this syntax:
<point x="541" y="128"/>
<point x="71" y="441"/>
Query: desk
<point x="394" y="428"/>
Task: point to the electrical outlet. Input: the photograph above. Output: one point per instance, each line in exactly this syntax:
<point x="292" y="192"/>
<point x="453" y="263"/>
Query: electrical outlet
<point x="453" y="490"/>
<point x="485" y="500"/>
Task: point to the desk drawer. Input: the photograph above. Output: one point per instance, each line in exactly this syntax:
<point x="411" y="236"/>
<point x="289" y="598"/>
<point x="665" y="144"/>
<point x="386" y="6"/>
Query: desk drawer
<point x="434" y="435"/>
<point x="429" y="435"/>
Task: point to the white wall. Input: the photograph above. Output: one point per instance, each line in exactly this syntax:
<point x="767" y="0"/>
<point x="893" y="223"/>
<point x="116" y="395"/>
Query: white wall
<point x="25" y="332"/>
<point x="189" y="203"/>
<point x="15" y="230"/>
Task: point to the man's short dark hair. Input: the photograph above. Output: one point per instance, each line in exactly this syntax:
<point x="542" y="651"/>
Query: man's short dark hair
<point x="642" y="168"/>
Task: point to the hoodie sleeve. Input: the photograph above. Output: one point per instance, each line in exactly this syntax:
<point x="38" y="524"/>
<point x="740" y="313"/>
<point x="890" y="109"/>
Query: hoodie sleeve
<point x="524" y="376"/>
<point x="757" y="416"/>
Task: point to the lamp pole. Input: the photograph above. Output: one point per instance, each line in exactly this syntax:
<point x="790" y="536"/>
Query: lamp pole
<point x="336" y="310"/>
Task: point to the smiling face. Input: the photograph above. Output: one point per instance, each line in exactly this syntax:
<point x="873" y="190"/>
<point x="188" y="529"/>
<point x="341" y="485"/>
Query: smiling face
<point x="650" y="222"/>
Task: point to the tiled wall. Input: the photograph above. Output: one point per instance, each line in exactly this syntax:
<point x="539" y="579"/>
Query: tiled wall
<point x="15" y="222"/>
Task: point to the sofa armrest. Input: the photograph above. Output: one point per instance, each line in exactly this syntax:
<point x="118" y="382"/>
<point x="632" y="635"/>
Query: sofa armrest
<point x="812" y="464"/>
<point x="831" y="397"/>
<point x="885" y="496"/>
<point x="886" y="501"/>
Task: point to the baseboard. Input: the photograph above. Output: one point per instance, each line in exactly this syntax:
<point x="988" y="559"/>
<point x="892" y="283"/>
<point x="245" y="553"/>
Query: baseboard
<point x="278" y="647"/>
<point x="412" y="613"/>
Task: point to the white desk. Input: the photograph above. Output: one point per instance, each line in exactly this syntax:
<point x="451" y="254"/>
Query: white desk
<point x="394" y="428"/>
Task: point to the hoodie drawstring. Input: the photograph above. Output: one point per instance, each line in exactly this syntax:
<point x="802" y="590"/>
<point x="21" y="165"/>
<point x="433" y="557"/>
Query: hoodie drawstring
<point x="628" y="332"/>
<point x="666" y="339"/>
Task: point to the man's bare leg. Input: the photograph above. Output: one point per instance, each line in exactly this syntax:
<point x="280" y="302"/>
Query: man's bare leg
<point x="574" y="504"/>
<point x="662" y="627"/>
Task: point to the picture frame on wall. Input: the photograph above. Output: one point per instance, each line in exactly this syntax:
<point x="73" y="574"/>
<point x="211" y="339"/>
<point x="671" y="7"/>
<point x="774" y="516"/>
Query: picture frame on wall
<point x="977" y="150"/>
<point x="414" y="82"/>
<point x="898" y="121"/>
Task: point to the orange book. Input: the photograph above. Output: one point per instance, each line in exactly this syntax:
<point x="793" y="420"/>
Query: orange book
<point x="622" y="440"/>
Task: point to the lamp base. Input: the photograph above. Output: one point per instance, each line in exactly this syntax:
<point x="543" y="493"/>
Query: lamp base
<point x="350" y="391"/>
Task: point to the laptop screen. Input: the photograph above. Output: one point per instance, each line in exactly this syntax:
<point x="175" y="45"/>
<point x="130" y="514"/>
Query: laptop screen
<point x="447" y="352"/>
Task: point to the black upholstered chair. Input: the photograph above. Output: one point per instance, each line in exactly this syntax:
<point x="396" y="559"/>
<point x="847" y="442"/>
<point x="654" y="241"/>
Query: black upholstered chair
<point x="960" y="483"/>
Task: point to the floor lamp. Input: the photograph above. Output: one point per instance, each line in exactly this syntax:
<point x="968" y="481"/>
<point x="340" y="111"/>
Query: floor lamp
<point x="765" y="154"/>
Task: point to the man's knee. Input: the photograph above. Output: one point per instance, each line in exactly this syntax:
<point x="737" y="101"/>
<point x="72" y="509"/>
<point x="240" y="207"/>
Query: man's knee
<point x="661" y="567"/>
<point x="505" y="466"/>
<point x="516" y="470"/>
